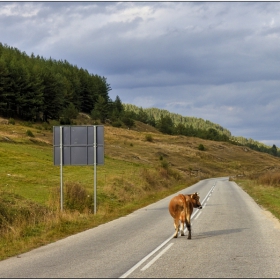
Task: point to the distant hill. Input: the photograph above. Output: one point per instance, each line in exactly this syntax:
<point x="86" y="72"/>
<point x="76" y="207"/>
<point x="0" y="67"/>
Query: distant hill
<point x="36" y="89"/>
<point x="197" y="123"/>
<point x="203" y="125"/>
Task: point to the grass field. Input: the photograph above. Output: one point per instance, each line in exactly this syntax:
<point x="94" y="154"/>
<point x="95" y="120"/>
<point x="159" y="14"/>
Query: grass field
<point x="141" y="167"/>
<point x="265" y="194"/>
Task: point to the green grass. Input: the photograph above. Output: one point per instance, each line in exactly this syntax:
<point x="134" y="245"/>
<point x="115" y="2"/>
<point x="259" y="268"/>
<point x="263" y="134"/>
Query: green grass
<point x="265" y="195"/>
<point x="136" y="172"/>
<point x="27" y="170"/>
<point x="30" y="215"/>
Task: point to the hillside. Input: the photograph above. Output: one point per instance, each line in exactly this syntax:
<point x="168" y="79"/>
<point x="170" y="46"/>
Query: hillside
<point x="141" y="166"/>
<point x="198" y="127"/>
<point x="181" y="152"/>
<point x="218" y="159"/>
<point x="37" y="89"/>
<point x="197" y="123"/>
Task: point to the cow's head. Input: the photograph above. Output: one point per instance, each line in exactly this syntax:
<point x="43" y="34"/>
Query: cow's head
<point x="195" y="201"/>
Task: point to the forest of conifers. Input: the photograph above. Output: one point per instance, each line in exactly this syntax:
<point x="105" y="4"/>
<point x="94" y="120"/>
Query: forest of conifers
<point x="33" y="88"/>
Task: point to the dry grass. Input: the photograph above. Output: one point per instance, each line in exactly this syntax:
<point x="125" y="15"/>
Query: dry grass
<point x="141" y="167"/>
<point x="264" y="192"/>
<point x="269" y="179"/>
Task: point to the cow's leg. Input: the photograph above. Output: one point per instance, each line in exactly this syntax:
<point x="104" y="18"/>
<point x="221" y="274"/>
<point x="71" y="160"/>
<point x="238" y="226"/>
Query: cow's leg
<point x="182" y="219"/>
<point x="176" y="225"/>
<point x="188" y="225"/>
<point x="182" y="228"/>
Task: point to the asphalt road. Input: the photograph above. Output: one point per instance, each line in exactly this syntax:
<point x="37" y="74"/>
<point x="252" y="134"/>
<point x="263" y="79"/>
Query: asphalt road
<point x="232" y="237"/>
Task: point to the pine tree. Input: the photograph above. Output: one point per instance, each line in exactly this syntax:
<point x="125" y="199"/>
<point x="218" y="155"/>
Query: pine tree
<point x="165" y="125"/>
<point x="52" y="94"/>
<point x="274" y="150"/>
<point x="100" y="109"/>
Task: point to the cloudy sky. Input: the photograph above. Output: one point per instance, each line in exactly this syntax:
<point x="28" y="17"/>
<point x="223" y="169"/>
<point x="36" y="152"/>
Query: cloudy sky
<point x="219" y="61"/>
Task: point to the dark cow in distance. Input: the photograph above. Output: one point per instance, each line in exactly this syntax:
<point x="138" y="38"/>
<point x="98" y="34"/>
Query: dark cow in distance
<point x="181" y="208"/>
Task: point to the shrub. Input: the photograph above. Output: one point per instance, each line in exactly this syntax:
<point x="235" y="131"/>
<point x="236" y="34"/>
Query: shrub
<point x="29" y="133"/>
<point x="149" y="138"/>
<point x="117" y="123"/>
<point x="149" y="177"/>
<point x="12" y="121"/>
<point x="65" y="121"/>
<point x="77" y="198"/>
<point x="269" y="179"/>
<point x="201" y="147"/>
<point x="128" y="122"/>
<point x="45" y="126"/>
<point x="28" y="124"/>
<point x="164" y="164"/>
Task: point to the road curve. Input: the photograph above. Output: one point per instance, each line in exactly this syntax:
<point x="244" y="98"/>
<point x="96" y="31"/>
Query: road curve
<point x="232" y="237"/>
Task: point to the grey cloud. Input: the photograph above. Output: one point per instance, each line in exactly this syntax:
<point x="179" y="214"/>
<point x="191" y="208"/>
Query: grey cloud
<point x="214" y="60"/>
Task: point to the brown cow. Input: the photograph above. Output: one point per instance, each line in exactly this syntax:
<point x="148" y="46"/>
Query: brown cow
<point x="181" y="208"/>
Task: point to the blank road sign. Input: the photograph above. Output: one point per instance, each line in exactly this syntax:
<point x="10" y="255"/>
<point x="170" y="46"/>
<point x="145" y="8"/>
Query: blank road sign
<point x="78" y="145"/>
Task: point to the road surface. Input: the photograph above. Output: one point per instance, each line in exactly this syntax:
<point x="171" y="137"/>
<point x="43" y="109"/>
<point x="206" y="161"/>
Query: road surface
<point x="232" y="237"/>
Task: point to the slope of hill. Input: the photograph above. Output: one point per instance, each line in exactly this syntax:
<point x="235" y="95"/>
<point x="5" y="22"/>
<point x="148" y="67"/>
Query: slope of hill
<point x="197" y="123"/>
<point x="141" y="166"/>
<point x="200" y="124"/>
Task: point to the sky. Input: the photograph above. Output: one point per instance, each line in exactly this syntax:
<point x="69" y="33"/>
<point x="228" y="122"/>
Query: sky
<point x="219" y="61"/>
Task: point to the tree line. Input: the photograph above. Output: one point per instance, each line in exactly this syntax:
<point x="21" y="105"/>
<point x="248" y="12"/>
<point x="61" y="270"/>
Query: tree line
<point x="175" y="124"/>
<point x="255" y="145"/>
<point x="34" y="88"/>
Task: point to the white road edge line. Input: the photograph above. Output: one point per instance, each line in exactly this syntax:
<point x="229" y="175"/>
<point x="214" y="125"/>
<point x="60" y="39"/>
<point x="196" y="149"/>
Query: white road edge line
<point x="162" y="244"/>
<point x="156" y="257"/>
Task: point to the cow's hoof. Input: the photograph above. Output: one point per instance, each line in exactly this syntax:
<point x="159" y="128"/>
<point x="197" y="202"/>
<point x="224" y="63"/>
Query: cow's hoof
<point x="189" y="237"/>
<point x="182" y="234"/>
<point x="175" y="236"/>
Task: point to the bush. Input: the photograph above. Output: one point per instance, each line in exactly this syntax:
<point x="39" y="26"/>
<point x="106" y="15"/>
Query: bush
<point x="201" y="147"/>
<point x="128" y="122"/>
<point x="65" y="121"/>
<point x="150" y="179"/>
<point x="45" y="125"/>
<point x="12" y="121"/>
<point x="164" y="164"/>
<point x="28" y="124"/>
<point x="117" y="123"/>
<point x="77" y="198"/>
<point x="149" y="138"/>
<point x="29" y="133"/>
<point x="269" y="179"/>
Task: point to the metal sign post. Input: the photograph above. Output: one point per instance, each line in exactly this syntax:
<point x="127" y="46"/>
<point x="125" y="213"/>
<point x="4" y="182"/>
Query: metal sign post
<point x="94" y="164"/>
<point x="78" y="145"/>
<point x="61" y="167"/>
